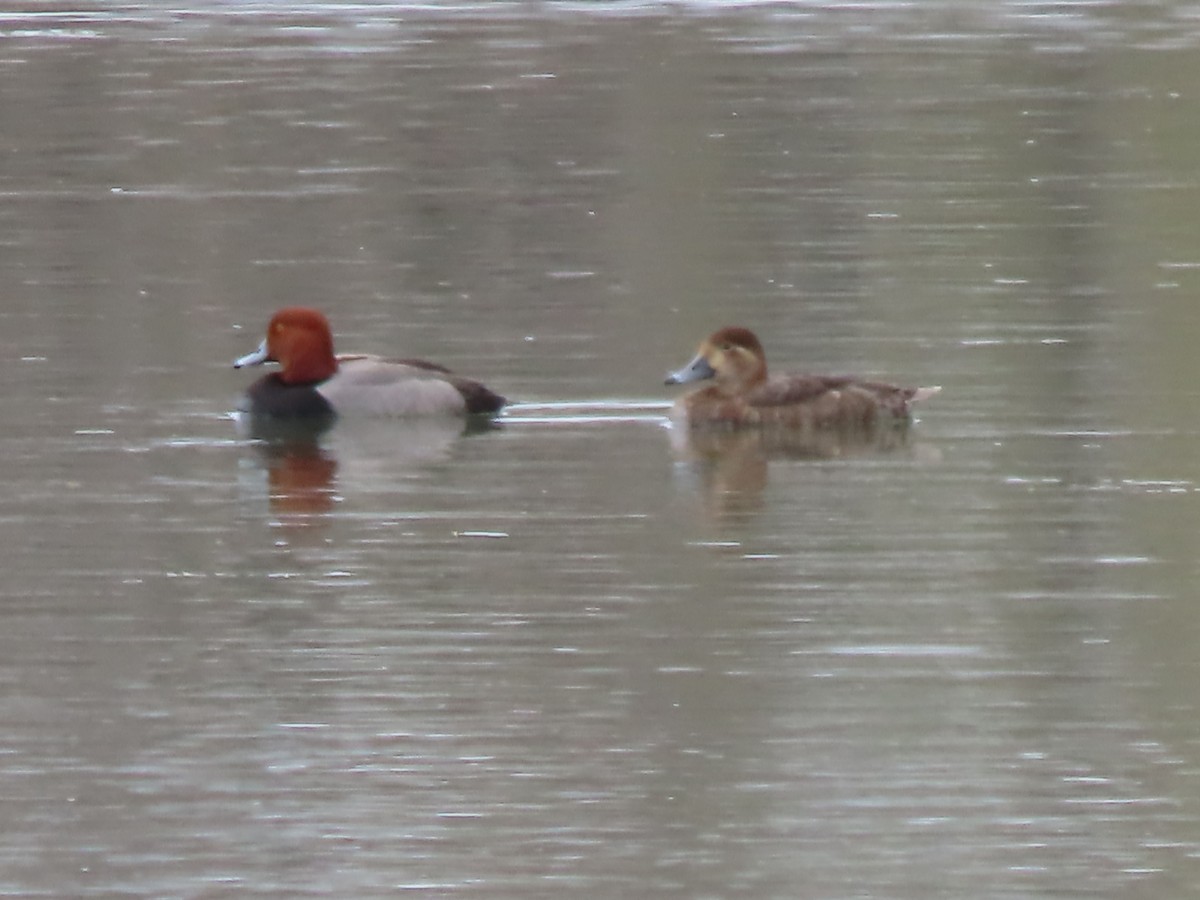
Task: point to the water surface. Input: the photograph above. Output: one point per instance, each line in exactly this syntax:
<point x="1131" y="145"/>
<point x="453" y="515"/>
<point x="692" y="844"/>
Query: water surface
<point x="579" y="650"/>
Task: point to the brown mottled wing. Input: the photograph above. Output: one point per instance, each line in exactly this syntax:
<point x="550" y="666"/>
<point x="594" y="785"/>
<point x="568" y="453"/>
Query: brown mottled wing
<point x="825" y="401"/>
<point x="791" y="389"/>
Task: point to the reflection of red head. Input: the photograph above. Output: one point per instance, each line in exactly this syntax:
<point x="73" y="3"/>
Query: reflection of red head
<point x="301" y="480"/>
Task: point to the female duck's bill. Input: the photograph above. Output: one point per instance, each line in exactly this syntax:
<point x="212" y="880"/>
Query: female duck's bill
<point x="743" y="394"/>
<point x="698" y="369"/>
<point x="313" y="381"/>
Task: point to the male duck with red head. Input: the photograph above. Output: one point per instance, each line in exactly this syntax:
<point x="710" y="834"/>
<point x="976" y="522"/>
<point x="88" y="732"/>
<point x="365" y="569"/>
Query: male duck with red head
<point x="742" y="394"/>
<point x="312" y="382"/>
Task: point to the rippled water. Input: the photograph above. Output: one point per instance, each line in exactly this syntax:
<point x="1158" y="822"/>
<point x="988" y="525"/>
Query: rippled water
<point x="581" y="650"/>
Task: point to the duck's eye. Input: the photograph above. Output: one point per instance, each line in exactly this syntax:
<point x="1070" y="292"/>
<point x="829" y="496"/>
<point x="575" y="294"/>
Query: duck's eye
<point x="725" y="347"/>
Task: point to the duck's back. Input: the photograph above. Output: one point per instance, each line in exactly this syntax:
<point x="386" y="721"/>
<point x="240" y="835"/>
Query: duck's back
<point x="805" y="401"/>
<point x="375" y="386"/>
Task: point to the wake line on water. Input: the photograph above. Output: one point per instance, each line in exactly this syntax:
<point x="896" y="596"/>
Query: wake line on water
<point x="586" y="411"/>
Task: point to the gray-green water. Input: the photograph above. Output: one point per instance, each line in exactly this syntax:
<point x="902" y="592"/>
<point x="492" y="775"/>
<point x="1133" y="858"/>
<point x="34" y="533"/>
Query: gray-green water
<point x="576" y="653"/>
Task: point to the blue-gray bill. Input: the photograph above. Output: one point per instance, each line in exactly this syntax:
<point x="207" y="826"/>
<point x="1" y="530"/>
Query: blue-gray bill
<point x="697" y="370"/>
<point x="253" y="358"/>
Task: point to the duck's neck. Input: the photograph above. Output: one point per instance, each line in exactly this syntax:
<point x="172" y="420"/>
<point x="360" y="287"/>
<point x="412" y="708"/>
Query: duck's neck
<point x="306" y="359"/>
<point x="746" y="381"/>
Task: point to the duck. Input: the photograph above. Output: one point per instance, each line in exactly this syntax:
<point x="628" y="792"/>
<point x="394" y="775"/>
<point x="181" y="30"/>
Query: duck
<point x="314" y="383"/>
<point x="744" y="395"/>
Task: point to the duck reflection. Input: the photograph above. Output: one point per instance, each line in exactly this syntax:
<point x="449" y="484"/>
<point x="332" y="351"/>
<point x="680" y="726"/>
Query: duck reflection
<point x="310" y="467"/>
<point x="301" y="472"/>
<point x="731" y="465"/>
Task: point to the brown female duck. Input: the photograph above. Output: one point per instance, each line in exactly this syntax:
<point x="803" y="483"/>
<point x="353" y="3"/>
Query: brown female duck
<point x="742" y="394"/>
